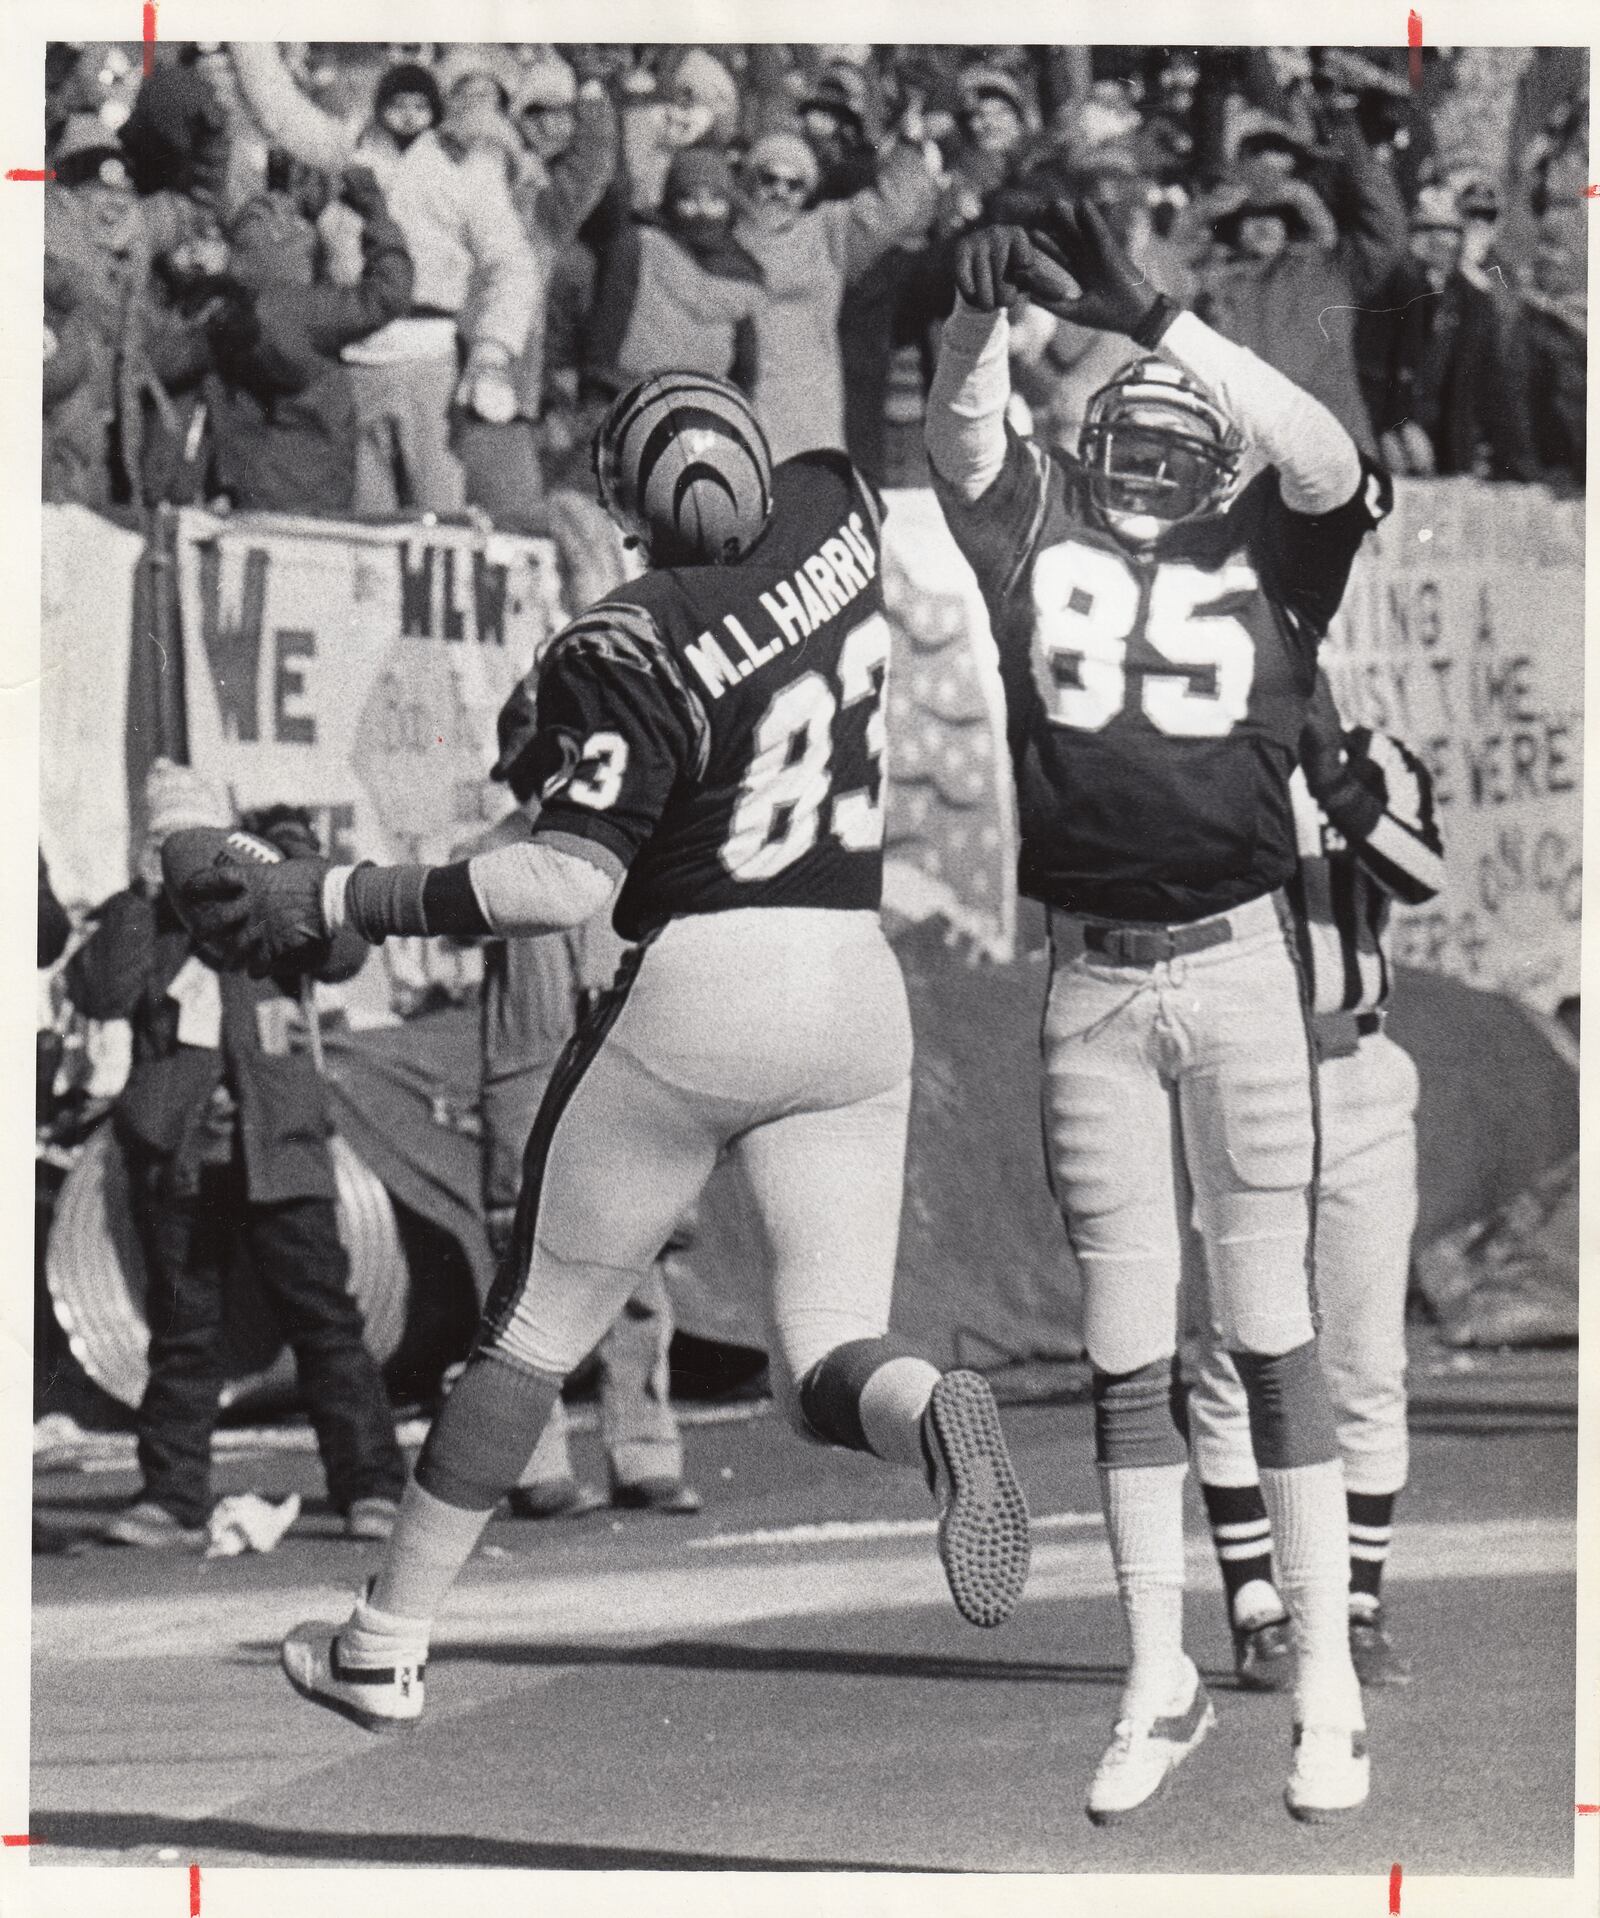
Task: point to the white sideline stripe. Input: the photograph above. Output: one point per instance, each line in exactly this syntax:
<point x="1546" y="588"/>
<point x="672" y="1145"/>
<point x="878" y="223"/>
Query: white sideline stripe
<point x="506" y="1601"/>
<point x="114" y="1451"/>
<point x="848" y="1531"/>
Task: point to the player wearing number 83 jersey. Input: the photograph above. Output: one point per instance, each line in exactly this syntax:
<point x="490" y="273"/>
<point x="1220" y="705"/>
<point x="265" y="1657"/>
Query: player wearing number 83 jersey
<point x="718" y="729"/>
<point x="703" y="749"/>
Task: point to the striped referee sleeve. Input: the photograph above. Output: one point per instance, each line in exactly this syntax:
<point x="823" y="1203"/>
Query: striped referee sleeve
<point x="1404" y="852"/>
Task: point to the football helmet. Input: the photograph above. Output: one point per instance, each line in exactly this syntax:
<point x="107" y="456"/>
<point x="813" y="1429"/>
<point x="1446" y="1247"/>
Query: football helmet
<point x="683" y="467"/>
<point x="1157" y="449"/>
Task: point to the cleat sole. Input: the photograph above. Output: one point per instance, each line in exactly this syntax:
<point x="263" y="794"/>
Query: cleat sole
<point x="983" y="1530"/>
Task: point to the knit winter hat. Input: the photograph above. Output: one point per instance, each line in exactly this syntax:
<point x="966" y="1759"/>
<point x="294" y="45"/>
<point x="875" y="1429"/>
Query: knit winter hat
<point x="977" y="81"/>
<point x="786" y="150"/>
<point x="177" y="797"/>
<point x="697" y="170"/>
<point x="1436" y="207"/>
<point x="702" y="80"/>
<point x="87" y="149"/>
<point x="408" y="77"/>
<point x="469" y="59"/>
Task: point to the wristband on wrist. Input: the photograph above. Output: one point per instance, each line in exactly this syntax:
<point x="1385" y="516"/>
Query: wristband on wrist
<point x="384" y="900"/>
<point x="1158" y="316"/>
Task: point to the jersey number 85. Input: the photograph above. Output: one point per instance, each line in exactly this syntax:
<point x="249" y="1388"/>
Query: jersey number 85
<point x="1087" y="606"/>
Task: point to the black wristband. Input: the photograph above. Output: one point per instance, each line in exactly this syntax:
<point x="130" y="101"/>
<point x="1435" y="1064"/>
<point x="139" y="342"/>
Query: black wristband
<point x="451" y="906"/>
<point x="1158" y="316"/>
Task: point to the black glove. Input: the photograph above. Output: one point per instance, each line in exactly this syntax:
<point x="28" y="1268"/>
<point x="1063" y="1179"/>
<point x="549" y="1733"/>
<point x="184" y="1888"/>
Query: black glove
<point x="1350" y="790"/>
<point x="990" y="267"/>
<point x="1082" y="273"/>
<point x="260" y="919"/>
<point x="361" y="192"/>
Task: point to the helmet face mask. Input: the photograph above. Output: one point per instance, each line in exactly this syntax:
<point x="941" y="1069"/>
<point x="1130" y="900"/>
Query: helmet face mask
<point x="1157" y="451"/>
<point x="683" y="467"/>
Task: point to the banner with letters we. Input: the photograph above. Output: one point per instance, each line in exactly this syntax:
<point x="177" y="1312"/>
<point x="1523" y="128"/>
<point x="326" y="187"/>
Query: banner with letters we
<point x="1462" y="634"/>
<point x="358" y="671"/>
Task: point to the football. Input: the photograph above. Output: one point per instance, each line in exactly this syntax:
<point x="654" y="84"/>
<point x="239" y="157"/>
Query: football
<point x="198" y="848"/>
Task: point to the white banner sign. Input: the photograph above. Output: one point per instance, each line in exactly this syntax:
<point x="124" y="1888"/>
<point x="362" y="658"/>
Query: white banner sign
<point x="358" y="671"/>
<point x="1462" y="633"/>
<point x="88" y="572"/>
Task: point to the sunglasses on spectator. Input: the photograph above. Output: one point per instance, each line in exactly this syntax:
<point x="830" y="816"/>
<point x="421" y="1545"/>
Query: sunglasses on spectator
<point x="782" y="182"/>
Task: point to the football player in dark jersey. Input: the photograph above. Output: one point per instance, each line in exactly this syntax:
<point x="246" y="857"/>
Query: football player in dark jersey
<point x="1157" y="615"/>
<point x="703" y="748"/>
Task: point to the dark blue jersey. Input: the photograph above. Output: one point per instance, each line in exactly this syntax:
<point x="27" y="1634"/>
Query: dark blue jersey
<point x="1154" y="698"/>
<point x="719" y="729"/>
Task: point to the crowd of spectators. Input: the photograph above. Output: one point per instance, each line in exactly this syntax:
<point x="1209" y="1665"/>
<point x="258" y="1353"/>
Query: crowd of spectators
<point x="372" y="281"/>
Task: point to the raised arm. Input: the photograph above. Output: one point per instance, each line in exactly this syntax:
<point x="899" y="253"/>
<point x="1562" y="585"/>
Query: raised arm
<point x="965" y="428"/>
<point x="282" y="111"/>
<point x="1073" y="266"/>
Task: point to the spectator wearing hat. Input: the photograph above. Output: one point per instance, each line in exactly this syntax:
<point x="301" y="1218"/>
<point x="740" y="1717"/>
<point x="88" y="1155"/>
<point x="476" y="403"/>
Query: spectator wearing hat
<point x="1060" y="365"/>
<point x="101" y="240"/>
<point x="282" y="425"/>
<point x="1440" y="355"/>
<point x="567" y="152"/>
<point x="678" y="290"/>
<point x="810" y="253"/>
<point x="77" y="390"/>
<point x="224" y="1126"/>
<point x="475" y="279"/>
<point x="1290" y="261"/>
<point x="694" y="103"/>
<point x="994" y="145"/>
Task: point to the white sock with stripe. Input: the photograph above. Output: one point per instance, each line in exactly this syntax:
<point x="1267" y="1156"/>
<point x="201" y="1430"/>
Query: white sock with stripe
<point x="1371" y="1532"/>
<point x="1307" y="1506"/>
<point x="1144" y="1521"/>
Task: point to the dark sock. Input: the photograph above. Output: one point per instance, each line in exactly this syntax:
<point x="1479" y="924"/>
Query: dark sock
<point x="1241" y="1533"/>
<point x="1371" y="1517"/>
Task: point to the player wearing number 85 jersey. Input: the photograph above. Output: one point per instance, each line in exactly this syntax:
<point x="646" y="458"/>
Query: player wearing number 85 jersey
<point x="703" y="749"/>
<point x="1157" y="622"/>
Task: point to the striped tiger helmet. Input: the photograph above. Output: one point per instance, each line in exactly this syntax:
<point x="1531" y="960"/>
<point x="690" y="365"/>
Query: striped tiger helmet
<point x="1157" y="447"/>
<point x="683" y="465"/>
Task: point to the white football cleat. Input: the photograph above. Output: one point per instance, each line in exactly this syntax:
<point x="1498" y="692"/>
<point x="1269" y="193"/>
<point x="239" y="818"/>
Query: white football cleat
<point x="379" y="1698"/>
<point x="1331" y="1774"/>
<point x="1145" y="1751"/>
<point x="983" y="1516"/>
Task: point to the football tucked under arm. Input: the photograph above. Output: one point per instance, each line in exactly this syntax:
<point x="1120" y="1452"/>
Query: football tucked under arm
<point x="291" y="913"/>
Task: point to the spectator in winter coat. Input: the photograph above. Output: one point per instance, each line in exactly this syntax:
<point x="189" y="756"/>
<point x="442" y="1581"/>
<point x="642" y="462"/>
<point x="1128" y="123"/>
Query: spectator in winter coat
<point x="78" y="391"/>
<point x="809" y="255"/>
<point x="678" y="291"/>
<point x="224" y="1126"/>
<point x="1060" y="365"/>
<point x="101" y="241"/>
<point x="1555" y="333"/>
<point x="563" y="158"/>
<point x="464" y="238"/>
<point x="1441" y="353"/>
<point x="995" y="144"/>
<point x="1293" y="261"/>
<point x="696" y="104"/>
<point x="283" y="421"/>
